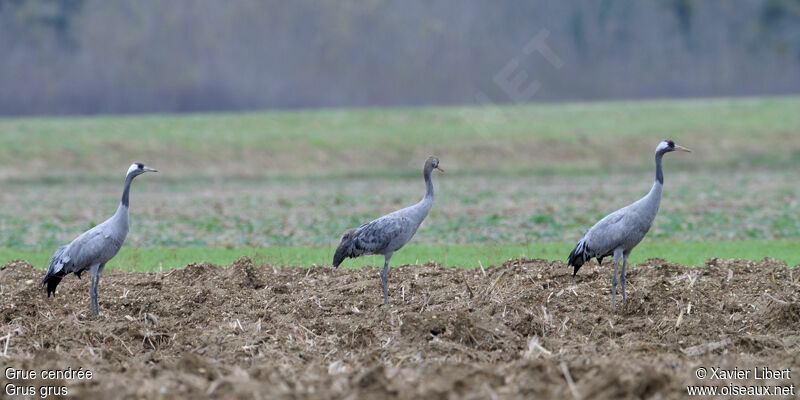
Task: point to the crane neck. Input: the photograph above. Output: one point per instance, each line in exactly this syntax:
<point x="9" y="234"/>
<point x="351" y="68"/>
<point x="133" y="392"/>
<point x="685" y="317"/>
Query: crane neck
<point x="655" y="191"/>
<point x="659" y="170"/>
<point x="124" y="202"/>
<point x="653" y="199"/>
<point x="426" y="173"/>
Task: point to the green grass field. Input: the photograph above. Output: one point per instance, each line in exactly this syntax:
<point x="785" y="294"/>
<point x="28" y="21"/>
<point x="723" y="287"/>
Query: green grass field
<point x="469" y="256"/>
<point x="521" y="180"/>
<point x="542" y="138"/>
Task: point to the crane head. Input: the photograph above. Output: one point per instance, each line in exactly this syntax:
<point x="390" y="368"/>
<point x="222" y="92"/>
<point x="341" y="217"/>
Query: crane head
<point x="432" y="163"/>
<point x="138" y="168"/>
<point x="667" y="145"/>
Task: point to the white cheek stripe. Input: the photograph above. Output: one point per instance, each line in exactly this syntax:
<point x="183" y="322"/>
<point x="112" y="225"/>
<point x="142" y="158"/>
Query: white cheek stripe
<point x="132" y="168"/>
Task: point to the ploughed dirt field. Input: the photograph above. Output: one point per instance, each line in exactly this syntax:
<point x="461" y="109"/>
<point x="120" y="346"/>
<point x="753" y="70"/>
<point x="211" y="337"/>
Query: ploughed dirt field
<point x="524" y="329"/>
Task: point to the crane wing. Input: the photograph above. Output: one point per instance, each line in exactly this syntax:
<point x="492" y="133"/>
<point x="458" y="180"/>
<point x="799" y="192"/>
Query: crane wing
<point x="93" y="246"/>
<point x="375" y="236"/>
<point x="608" y="234"/>
<point x="96" y="245"/>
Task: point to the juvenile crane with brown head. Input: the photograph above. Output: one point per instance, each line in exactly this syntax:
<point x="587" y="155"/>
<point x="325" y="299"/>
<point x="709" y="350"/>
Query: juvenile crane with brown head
<point x="389" y="233"/>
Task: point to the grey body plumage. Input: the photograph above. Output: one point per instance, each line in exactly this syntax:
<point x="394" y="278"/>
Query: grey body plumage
<point x="619" y="232"/>
<point x="389" y="233"/>
<point x="95" y="247"/>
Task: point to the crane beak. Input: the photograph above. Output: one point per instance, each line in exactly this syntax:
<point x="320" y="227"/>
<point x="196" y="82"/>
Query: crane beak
<point x="681" y="148"/>
<point x="437" y="167"/>
<point x="148" y="169"/>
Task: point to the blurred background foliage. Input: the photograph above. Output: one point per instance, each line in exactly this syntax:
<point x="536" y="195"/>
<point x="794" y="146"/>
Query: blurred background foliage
<point x="120" y="56"/>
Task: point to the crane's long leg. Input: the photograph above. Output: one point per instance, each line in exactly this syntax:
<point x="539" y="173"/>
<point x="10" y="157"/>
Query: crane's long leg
<point x="622" y="276"/>
<point x="385" y="277"/>
<point x="99" y="274"/>
<point x="617" y="256"/>
<point x="95" y="270"/>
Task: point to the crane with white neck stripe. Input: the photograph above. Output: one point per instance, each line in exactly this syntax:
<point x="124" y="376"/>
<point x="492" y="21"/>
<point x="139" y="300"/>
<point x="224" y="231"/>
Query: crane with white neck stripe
<point x="619" y="232"/>
<point x="95" y="247"/>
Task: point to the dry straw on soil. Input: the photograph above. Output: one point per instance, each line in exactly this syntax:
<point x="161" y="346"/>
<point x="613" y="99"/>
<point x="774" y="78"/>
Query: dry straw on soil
<point x="525" y="328"/>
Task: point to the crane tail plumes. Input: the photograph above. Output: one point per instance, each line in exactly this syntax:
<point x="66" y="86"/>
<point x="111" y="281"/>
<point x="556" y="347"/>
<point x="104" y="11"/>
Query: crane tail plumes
<point x="55" y="272"/>
<point x="52" y="282"/>
<point x="343" y="251"/>
<point x="578" y="256"/>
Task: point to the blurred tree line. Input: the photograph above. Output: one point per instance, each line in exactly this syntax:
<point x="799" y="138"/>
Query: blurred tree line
<point x="99" y="56"/>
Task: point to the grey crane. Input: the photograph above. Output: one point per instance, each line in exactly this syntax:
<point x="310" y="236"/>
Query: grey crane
<point x="619" y="232"/>
<point x="92" y="249"/>
<point x="389" y="233"/>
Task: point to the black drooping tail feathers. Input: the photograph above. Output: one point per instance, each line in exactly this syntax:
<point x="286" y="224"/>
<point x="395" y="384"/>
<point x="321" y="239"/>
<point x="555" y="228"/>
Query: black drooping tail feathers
<point x="578" y="256"/>
<point x="52" y="281"/>
<point x="343" y="251"/>
<point x="55" y="272"/>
